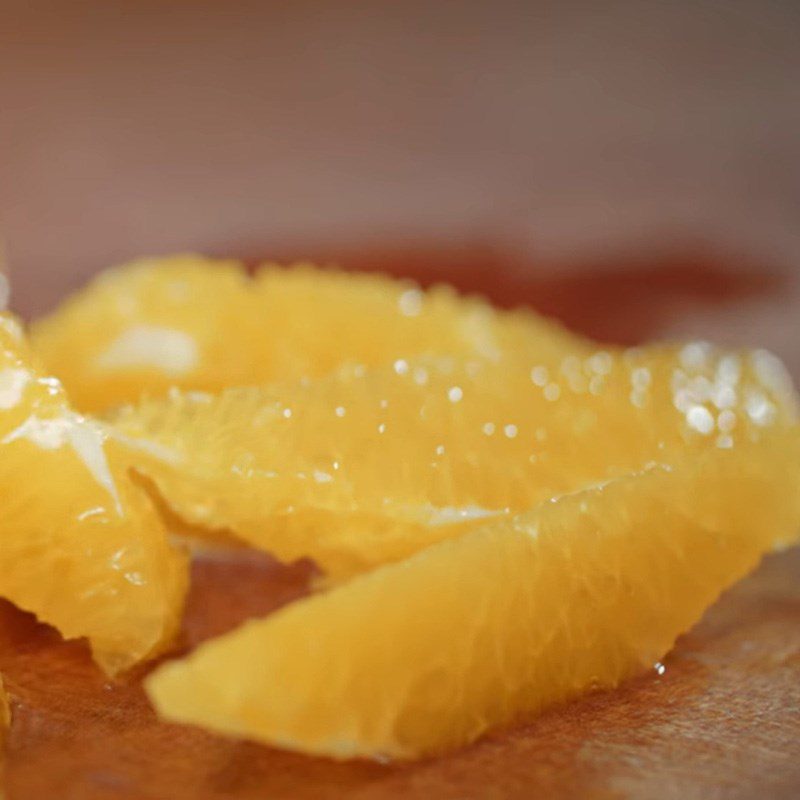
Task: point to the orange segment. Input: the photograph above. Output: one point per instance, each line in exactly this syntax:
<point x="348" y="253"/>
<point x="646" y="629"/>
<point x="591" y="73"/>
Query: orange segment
<point x="83" y="547"/>
<point x="143" y="327"/>
<point x="367" y="466"/>
<point x="201" y="324"/>
<point x="429" y="653"/>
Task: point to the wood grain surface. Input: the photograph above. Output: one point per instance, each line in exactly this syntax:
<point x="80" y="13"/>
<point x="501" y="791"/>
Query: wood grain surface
<point x="723" y="721"/>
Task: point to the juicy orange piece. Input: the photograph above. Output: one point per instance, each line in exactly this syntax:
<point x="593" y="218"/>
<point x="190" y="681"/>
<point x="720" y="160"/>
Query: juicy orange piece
<point x="429" y="653"/>
<point x="141" y="328"/>
<point x="83" y="547"/>
<point x="200" y="324"/>
<point x="368" y="466"/>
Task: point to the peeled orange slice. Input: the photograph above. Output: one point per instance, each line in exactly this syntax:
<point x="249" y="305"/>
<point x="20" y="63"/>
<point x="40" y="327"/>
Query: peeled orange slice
<point x="154" y="323"/>
<point x="368" y="466"/>
<point x="82" y="547"/>
<point x="427" y="654"/>
<point x="199" y="324"/>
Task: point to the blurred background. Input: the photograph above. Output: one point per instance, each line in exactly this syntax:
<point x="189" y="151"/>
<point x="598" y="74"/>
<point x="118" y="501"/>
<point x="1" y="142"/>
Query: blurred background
<point x="633" y="167"/>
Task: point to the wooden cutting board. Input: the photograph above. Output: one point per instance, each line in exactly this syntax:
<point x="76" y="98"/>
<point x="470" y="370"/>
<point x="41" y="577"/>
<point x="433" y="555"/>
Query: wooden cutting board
<point x="722" y="721"/>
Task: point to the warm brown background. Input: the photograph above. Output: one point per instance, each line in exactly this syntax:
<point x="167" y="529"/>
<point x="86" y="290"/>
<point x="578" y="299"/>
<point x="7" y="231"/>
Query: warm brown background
<point x="551" y="132"/>
<point x="632" y="167"/>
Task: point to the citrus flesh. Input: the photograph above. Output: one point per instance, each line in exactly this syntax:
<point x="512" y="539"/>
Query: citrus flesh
<point x="203" y="324"/>
<point x="427" y="654"/>
<point x="368" y="466"/>
<point x="82" y="546"/>
<point x="520" y="515"/>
